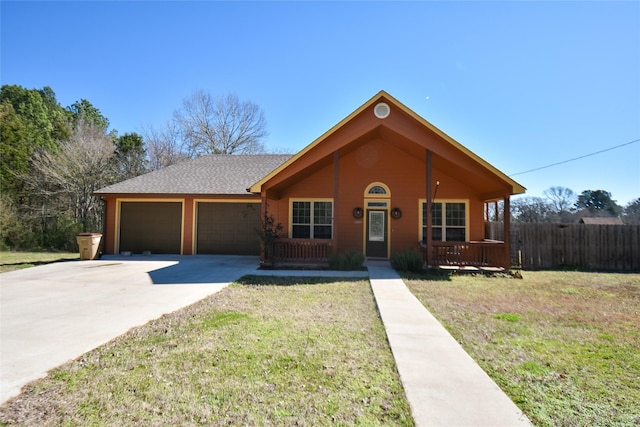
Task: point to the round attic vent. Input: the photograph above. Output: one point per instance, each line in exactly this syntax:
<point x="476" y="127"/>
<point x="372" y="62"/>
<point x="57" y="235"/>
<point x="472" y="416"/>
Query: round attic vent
<point x="381" y="110"/>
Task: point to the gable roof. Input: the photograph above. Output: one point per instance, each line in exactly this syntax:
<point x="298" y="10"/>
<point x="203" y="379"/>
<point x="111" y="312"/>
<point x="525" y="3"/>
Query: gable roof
<point x="601" y="221"/>
<point x="516" y="188"/>
<point x="223" y="174"/>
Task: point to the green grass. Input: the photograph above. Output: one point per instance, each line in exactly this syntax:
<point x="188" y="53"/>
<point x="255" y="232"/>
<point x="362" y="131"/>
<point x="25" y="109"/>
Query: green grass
<point x="11" y="260"/>
<point x="264" y="351"/>
<point x="509" y="317"/>
<point x="565" y="346"/>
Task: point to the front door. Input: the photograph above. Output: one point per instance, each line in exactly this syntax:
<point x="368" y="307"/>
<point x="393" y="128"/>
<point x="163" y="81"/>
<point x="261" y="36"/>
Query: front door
<point x="377" y="234"/>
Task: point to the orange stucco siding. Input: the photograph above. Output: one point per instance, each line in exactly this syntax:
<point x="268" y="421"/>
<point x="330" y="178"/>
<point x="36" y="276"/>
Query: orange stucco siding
<point x="109" y="237"/>
<point x="377" y="160"/>
<point x="188" y="228"/>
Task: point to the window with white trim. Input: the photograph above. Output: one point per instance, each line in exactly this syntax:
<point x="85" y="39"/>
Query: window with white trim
<point x="448" y="221"/>
<point x="311" y="219"/>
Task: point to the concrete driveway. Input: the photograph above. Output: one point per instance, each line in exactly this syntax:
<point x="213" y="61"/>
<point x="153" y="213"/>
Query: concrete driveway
<point x="56" y="312"/>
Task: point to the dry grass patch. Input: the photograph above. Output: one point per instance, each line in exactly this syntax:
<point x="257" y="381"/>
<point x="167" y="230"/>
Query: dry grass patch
<point x="565" y="346"/>
<point x="12" y="260"/>
<point x="266" y="351"/>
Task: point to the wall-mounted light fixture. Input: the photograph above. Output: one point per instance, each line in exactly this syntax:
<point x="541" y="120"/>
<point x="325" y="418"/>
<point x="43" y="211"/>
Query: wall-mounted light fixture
<point x="358" y="212"/>
<point x="396" y="213"/>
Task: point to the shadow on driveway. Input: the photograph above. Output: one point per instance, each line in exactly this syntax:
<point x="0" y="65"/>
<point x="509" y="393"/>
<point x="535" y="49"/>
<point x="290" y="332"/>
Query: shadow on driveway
<point x="194" y="269"/>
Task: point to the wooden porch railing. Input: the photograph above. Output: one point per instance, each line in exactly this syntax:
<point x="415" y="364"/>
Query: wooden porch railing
<point x="476" y="254"/>
<point x="299" y="250"/>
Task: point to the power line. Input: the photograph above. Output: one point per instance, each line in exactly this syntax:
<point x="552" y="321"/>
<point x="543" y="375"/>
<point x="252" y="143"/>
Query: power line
<point x="576" y="158"/>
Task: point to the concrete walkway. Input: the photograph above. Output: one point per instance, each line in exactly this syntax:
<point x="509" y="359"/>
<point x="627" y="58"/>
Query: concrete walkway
<point x="444" y="385"/>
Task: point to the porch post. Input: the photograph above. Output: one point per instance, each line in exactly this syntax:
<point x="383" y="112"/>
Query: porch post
<point x="263" y="217"/>
<point x="336" y="192"/>
<point x="429" y="236"/>
<point x="507" y="231"/>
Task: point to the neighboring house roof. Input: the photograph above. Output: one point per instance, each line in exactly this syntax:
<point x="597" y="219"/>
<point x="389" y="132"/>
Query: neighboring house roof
<point x="601" y="221"/>
<point x="515" y="187"/>
<point x="222" y="174"/>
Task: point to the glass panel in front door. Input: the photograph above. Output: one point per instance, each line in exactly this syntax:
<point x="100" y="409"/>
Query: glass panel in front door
<point x="376" y="226"/>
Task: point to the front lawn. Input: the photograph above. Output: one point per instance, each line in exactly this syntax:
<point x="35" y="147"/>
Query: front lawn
<point x="565" y="346"/>
<point x="13" y="260"/>
<point x="265" y="351"/>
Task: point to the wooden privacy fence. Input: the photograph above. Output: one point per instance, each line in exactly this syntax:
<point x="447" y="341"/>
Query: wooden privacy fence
<point x="593" y="247"/>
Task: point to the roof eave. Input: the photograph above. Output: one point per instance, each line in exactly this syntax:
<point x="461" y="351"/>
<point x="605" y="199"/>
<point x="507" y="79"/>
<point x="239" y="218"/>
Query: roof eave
<point x="176" y="195"/>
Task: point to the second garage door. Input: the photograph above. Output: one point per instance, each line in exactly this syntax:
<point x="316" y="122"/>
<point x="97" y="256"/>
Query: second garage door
<point x="228" y="228"/>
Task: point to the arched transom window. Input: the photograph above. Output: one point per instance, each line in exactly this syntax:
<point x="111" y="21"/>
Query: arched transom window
<point x="377" y="189"/>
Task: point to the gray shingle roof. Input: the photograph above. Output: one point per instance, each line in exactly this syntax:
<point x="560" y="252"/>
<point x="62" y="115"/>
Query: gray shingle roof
<point x="211" y="174"/>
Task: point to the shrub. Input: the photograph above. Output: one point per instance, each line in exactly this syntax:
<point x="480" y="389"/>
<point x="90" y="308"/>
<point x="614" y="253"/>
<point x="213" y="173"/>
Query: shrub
<point x="408" y="260"/>
<point x="61" y="234"/>
<point x="16" y="231"/>
<point x="268" y="233"/>
<point x="19" y="231"/>
<point x="346" y="261"/>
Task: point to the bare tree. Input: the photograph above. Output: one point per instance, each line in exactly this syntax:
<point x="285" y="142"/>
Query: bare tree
<point x="531" y="209"/>
<point x="223" y="125"/>
<point x="562" y="201"/>
<point x="69" y="175"/>
<point x="206" y="125"/>
<point x="164" y="146"/>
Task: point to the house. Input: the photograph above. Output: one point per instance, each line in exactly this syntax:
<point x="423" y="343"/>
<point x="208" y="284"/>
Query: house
<point x="381" y="181"/>
<point x="601" y="221"/>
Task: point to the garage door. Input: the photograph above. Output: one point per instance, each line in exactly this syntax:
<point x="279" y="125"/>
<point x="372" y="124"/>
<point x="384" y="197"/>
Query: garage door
<point x="228" y="228"/>
<point x="151" y="226"/>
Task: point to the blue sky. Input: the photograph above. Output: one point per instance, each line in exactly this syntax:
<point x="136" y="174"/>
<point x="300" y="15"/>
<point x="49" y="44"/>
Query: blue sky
<point x="522" y="84"/>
